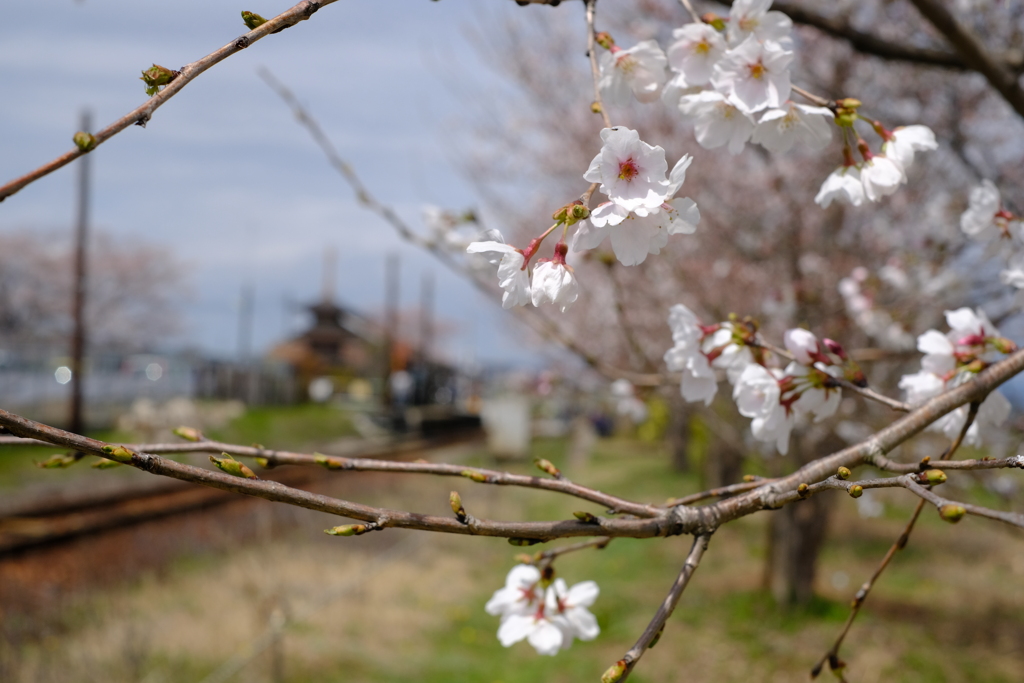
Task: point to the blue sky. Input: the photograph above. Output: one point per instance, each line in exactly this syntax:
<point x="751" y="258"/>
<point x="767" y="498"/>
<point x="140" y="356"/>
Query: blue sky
<point x="224" y="178"/>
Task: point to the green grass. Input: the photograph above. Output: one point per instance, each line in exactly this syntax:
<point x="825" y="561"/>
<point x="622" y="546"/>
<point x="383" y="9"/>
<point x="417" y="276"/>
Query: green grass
<point x="287" y="426"/>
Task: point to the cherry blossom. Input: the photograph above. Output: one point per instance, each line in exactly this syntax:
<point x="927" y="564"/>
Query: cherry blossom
<point x="554" y="282"/>
<point x="568" y="610"/>
<point x="802" y="344"/>
<point x="815" y="396"/>
<point x="985" y="217"/>
<point x="1013" y="275"/>
<point x="843" y="184"/>
<point x="640" y="70"/>
<point x="905" y="141"/>
<point x="779" y="129"/>
<point x="757" y="395"/>
<point x="717" y="122"/>
<point x="521" y="594"/>
<point x="512" y="274"/>
<point x="696" y="50"/>
<point x="880" y="176"/>
<point x="754" y="75"/>
<point x="698" y="379"/>
<point x="631" y="172"/>
<point x="751" y="17"/>
<point x="634" y="236"/>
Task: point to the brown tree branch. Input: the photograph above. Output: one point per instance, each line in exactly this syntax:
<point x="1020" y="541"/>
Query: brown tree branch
<point x="999" y="75"/>
<point x="141" y="114"/>
<point x="595" y="72"/>
<point x="668" y="605"/>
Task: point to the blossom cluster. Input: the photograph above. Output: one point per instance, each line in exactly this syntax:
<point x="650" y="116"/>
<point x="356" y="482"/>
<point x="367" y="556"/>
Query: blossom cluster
<point x="544" y="612"/>
<point x="730" y="77"/>
<point x="640" y="214"/>
<point x="951" y="359"/>
<point x="774" y="398"/>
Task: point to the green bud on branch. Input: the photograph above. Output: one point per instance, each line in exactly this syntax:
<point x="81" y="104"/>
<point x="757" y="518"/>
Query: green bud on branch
<point x="856" y="491"/>
<point x="157" y="76"/>
<point x="327" y="461"/>
<point x="952" y="513"/>
<point x="474" y="475"/>
<point x="189" y="434"/>
<point x="604" y="39"/>
<point x="232" y="466"/>
<point x="523" y="541"/>
<point x="347" y="530"/>
<point x="119" y="453"/>
<point x="933" y="477"/>
<point x="252" y="20"/>
<point x="84" y="141"/>
<point x="104" y="464"/>
<point x="586" y="517"/>
<point x="614" y="672"/>
<point x="843" y="473"/>
<point x="455" y="500"/>
<point x="265" y="463"/>
<point x="57" y="461"/>
<point x="548" y="468"/>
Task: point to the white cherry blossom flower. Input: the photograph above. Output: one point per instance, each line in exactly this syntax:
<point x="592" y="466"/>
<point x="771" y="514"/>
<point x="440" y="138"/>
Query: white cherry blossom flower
<point x="568" y="610"/>
<point x="727" y="353"/>
<point x="844" y="185"/>
<point x="801" y="343"/>
<point x="546" y="637"/>
<point x="979" y="220"/>
<point x="751" y="17"/>
<point x="631" y="172"/>
<point x="779" y="129"/>
<point x="921" y="386"/>
<point x="633" y="236"/>
<point x="757" y="396"/>
<point x="512" y="275"/>
<point x="819" y="401"/>
<point x="880" y="176"/>
<point x="554" y="283"/>
<point x="698" y="379"/>
<point x="717" y="122"/>
<point x="521" y="595"/>
<point x="685" y="326"/>
<point x="754" y="75"/>
<point x="640" y="70"/>
<point x="696" y="50"/>
<point x="1013" y="274"/>
<point x="905" y="141"/>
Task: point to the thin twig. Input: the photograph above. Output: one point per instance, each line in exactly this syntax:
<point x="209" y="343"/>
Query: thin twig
<point x="595" y="72"/>
<point x="832" y="656"/>
<point x="811" y="97"/>
<point x="729" y="490"/>
<point x="668" y="605"/>
<point x="545" y="557"/>
<point x="688" y="6"/>
<point x="141" y="114"/>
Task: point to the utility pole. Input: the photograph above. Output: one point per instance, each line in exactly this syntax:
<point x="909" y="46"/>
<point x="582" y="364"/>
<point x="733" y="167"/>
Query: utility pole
<point x="426" y="316"/>
<point x="76" y="421"/>
<point x="390" y="322"/>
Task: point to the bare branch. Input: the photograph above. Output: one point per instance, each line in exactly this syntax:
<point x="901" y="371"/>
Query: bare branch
<point x="668" y="605"/>
<point x="141" y="114"/>
<point x="999" y="75"/>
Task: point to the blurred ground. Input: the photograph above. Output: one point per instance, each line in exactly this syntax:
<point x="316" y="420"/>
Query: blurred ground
<point x="949" y="608"/>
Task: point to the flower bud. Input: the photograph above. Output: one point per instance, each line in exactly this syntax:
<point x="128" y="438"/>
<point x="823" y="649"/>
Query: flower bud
<point x="157" y="76"/>
<point x="933" y="477"/>
<point x="265" y="463"/>
<point x="595" y="107"/>
<point x="952" y="513"/>
<point x="84" y="141"/>
<point x="475" y="476"/>
<point x="975" y="366"/>
<point x="586" y="517"/>
<point x="856" y="491"/>
<point x="326" y="461"/>
<point x="104" y="464"/>
<point x="189" y="433"/>
<point x="560" y="214"/>
<point x="455" y="500"/>
<point x="347" y="530"/>
<point x="1002" y="344"/>
<point x="546" y="466"/>
<point x="749" y="478"/>
<point x="58" y="461"/>
<point x="119" y="453"/>
<point x="802" y="489"/>
<point x="716" y="22"/>
<point x="577" y="212"/>
<point x="523" y="541"/>
<point x="604" y="39"/>
<point x="252" y="20"/>
<point x="854" y="375"/>
<point x="843" y="473"/>
<point x="614" y="672"/>
<point x="233" y="467"/>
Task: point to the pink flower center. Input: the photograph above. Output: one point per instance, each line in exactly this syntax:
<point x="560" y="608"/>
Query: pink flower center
<point x="628" y="170"/>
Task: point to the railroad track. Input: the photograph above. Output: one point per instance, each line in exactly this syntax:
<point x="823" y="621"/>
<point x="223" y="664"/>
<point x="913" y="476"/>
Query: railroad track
<point x="47" y="522"/>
